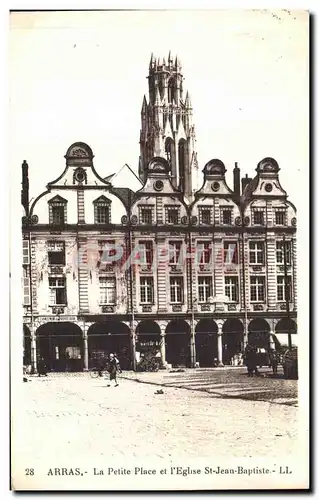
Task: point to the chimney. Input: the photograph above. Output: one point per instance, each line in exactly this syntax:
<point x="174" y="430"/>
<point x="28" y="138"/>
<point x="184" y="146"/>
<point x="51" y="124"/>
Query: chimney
<point x="236" y="173"/>
<point x="25" y="187"/>
<point x="244" y="182"/>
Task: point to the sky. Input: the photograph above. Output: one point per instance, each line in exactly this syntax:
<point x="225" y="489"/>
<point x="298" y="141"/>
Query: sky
<point x="81" y="76"/>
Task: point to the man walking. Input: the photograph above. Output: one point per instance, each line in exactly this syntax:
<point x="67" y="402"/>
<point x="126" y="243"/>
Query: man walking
<point x="113" y="369"/>
<point x="251" y="360"/>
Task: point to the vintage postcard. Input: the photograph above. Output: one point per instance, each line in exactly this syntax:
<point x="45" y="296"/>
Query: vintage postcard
<point x="159" y="260"/>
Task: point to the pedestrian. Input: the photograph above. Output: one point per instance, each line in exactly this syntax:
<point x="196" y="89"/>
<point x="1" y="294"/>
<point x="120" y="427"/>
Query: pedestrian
<point x="251" y="360"/>
<point x="113" y="369"/>
<point x="42" y="368"/>
<point x="273" y="361"/>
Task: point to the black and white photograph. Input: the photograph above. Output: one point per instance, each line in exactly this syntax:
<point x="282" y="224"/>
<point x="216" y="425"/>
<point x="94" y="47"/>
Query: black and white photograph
<point x="159" y="170"/>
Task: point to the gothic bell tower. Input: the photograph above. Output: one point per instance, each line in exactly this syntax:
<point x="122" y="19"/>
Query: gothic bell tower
<point x="167" y="125"/>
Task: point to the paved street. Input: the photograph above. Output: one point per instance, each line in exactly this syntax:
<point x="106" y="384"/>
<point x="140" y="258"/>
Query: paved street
<point x="228" y="382"/>
<point x="76" y="419"/>
<point x="132" y="419"/>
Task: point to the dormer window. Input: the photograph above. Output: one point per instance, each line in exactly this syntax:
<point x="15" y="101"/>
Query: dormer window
<point x="57" y="211"/>
<point x="171" y="215"/>
<point x="226" y="216"/>
<point x="280" y="216"/>
<point x="145" y="214"/>
<point x="205" y="215"/>
<point x="258" y="217"/>
<point x="102" y="210"/>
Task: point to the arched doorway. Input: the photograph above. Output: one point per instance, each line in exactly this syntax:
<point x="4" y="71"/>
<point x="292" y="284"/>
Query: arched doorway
<point x="148" y="337"/>
<point x="206" y="342"/>
<point x="178" y="343"/>
<point x="106" y="337"/>
<point x="26" y="346"/>
<point x="233" y="339"/>
<point x="283" y="327"/>
<point x="61" y="346"/>
<point x="258" y="333"/>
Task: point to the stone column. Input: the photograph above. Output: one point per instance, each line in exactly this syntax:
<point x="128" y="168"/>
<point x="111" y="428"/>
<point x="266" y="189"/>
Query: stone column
<point x="193" y="344"/>
<point x="271" y="342"/>
<point x="163" y="349"/>
<point x="162" y="346"/>
<point x="220" y="342"/>
<point x="33" y="353"/>
<point x="85" y="328"/>
<point x="85" y="353"/>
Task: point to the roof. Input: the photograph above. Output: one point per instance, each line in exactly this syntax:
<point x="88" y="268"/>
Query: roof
<point x="108" y="177"/>
<point x="126" y="195"/>
<point x="250" y="188"/>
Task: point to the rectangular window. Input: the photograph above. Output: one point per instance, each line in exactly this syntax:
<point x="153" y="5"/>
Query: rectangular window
<point x="56" y="252"/>
<point x="230" y="252"/>
<point x="57" y="214"/>
<point x="146" y="215"/>
<point x="226" y="216"/>
<point x="174" y="250"/>
<point x="204" y="289"/>
<point x="281" y="288"/>
<point x="102" y="214"/>
<point x="146" y="257"/>
<point x="203" y="253"/>
<point x="257" y="289"/>
<point x="172" y="215"/>
<point x="176" y="290"/>
<point x="25" y="252"/>
<point x="146" y="291"/>
<point x="280" y="216"/>
<point x="107" y="290"/>
<point x="204" y="215"/>
<point x="258" y="217"/>
<point x="107" y="251"/>
<point x="26" y="287"/>
<point x="57" y="288"/>
<point x="280" y="252"/>
<point x="256" y="252"/>
<point x="231" y="288"/>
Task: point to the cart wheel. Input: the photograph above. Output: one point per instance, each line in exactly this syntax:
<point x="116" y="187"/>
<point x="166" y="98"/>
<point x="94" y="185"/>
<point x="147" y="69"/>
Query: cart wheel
<point x="94" y="372"/>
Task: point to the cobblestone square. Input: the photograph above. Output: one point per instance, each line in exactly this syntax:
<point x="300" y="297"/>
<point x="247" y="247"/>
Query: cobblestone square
<point x="70" y="418"/>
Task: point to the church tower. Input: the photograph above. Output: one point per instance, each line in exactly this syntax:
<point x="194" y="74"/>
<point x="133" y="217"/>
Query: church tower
<point x="167" y="128"/>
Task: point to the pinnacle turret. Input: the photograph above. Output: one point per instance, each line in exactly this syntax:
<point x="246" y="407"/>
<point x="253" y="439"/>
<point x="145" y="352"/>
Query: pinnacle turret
<point x="144" y="105"/>
<point x="188" y="103"/>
